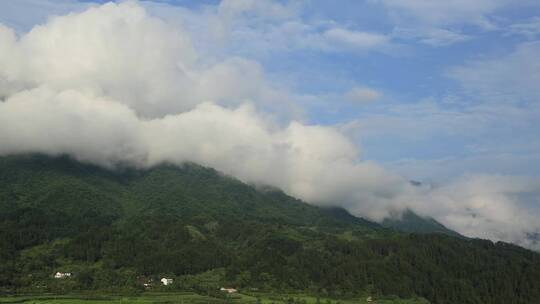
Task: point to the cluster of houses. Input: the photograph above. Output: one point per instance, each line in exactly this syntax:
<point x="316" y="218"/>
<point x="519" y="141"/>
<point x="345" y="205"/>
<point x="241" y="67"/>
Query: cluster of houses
<point x="147" y="283"/>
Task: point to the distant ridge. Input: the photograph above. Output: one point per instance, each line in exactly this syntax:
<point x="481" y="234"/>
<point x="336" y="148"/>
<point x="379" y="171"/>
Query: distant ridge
<point x="411" y="222"/>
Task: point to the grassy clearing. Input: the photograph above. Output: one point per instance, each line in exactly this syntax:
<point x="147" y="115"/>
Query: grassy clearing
<point x="309" y="299"/>
<point x="191" y="298"/>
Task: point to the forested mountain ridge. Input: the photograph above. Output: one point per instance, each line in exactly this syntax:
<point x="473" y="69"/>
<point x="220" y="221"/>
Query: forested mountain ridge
<point x="110" y="228"/>
<point x="37" y="181"/>
<point x="409" y="221"/>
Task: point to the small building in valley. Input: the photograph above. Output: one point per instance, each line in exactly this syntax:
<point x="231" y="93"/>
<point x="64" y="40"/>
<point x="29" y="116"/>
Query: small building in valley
<point x="145" y="281"/>
<point x="62" y="275"/>
<point x="228" y="290"/>
<point x="166" y="281"/>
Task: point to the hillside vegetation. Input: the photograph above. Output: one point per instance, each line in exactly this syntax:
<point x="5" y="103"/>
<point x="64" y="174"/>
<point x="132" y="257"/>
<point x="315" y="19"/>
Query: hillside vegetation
<point x="114" y="229"/>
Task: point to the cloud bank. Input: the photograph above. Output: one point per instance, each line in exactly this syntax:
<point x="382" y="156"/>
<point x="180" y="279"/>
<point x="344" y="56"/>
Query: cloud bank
<point x="362" y="95"/>
<point x="115" y="85"/>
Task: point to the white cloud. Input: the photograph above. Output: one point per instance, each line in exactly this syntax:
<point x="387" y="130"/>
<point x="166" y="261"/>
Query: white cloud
<point x="129" y="56"/>
<point x="442" y="23"/>
<point x="315" y="163"/>
<point x="90" y="128"/>
<point x="113" y="85"/>
<point x="261" y="9"/>
<point x="282" y="27"/>
<point x="482" y="203"/>
<point x="512" y="77"/>
<point x="496" y="207"/>
<point x="362" y="95"/>
<point x="529" y="29"/>
<point x="432" y="36"/>
<point x="258" y="28"/>
<point x="117" y="56"/>
<point x="355" y="39"/>
<point x="444" y="13"/>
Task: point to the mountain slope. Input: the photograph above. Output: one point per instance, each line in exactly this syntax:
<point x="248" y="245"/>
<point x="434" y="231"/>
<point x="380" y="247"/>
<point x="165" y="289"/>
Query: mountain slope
<point x="113" y="228"/>
<point x="189" y="191"/>
<point x="411" y="222"/>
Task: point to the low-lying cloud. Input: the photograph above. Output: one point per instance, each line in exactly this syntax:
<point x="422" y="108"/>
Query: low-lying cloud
<point x="114" y="85"/>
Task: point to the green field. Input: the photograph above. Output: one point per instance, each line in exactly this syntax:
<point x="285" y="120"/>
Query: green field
<point x="192" y="298"/>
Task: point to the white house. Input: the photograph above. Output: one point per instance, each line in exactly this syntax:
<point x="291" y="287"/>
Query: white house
<point x="228" y="290"/>
<point x="166" y="281"/>
<point x="62" y="275"/>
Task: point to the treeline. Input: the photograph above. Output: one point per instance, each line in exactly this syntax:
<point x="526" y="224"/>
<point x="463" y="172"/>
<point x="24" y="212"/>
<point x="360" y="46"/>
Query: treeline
<point x="204" y="255"/>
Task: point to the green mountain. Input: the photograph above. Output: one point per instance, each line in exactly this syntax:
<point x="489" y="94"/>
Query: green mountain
<point x="80" y="191"/>
<point x="114" y="229"/>
<point x="411" y="222"/>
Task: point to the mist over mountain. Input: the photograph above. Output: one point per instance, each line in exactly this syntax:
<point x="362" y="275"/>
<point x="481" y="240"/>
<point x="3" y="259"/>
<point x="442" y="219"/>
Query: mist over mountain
<point x="115" y="86"/>
<point x="408" y="221"/>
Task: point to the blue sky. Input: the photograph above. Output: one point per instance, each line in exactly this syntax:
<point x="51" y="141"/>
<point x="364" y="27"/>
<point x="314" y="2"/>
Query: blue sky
<point x="453" y="94"/>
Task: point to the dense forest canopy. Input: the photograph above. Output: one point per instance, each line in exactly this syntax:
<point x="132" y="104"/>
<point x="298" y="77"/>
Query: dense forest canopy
<point x="114" y="229"/>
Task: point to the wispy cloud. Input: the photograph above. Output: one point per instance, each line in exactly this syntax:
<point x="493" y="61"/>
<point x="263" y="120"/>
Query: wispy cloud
<point x="361" y="95"/>
<point x="513" y="77"/>
<point x="436" y="37"/>
<point x="444" y="13"/>
<point x="441" y="23"/>
<point x="354" y="39"/>
<point x="529" y="29"/>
